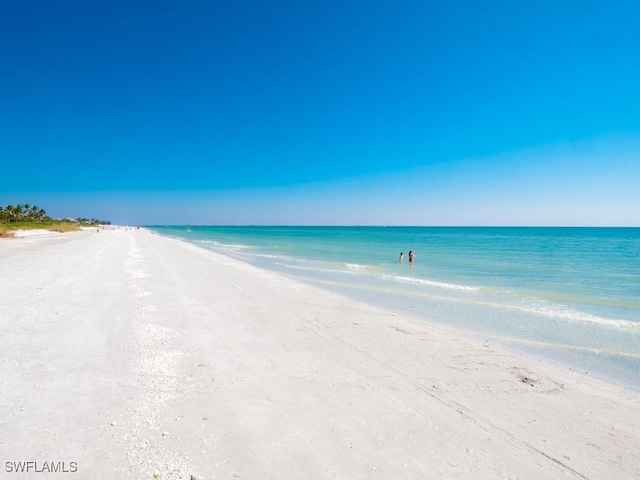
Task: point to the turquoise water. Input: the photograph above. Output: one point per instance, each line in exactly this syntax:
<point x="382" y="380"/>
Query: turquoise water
<point x="571" y="295"/>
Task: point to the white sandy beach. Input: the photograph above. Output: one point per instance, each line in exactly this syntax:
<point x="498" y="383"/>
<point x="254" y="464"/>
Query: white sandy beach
<point x="136" y="356"/>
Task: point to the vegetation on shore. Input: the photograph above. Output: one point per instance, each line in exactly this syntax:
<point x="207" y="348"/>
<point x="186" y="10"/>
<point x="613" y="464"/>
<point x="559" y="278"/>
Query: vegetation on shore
<point x="30" y="217"/>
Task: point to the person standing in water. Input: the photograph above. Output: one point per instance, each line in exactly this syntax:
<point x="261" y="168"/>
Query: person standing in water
<point x="401" y="259"/>
<point x="411" y="256"/>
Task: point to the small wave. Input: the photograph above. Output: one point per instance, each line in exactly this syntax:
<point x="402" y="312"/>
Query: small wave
<point x="216" y="244"/>
<point x="564" y="346"/>
<point x="560" y="297"/>
<point x="560" y="312"/>
<point x="262" y="255"/>
<point x="324" y="267"/>
<point x="513" y="302"/>
<point x="356" y="267"/>
<point x="432" y="283"/>
<point x="310" y="268"/>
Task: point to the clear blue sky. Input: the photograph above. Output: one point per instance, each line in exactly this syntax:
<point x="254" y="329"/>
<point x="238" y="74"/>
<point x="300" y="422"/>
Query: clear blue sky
<point x="323" y="112"/>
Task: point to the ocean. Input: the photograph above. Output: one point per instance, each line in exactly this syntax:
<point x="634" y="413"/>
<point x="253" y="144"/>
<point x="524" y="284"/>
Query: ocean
<point x="568" y="295"/>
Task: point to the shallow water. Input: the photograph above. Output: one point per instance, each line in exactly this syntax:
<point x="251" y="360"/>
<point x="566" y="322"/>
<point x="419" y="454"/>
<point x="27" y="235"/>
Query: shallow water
<point x="571" y="295"/>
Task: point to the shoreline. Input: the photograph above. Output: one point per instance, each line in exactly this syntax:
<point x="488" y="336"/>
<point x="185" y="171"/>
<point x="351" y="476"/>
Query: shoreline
<point x="603" y="344"/>
<point x="134" y="354"/>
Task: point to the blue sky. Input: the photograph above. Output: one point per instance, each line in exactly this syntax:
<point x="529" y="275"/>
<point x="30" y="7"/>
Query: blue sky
<point x="327" y="112"/>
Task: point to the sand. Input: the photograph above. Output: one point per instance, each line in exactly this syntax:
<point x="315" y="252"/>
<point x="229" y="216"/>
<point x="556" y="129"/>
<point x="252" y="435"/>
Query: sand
<point x="126" y="354"/>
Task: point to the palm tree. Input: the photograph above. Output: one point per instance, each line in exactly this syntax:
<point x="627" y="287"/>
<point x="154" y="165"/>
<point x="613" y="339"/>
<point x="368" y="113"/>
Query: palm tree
<point x="19" y="212"/>
<point x="12" y="212"/>
<point x="32" y="212"/>
<point x="42" y="215"/>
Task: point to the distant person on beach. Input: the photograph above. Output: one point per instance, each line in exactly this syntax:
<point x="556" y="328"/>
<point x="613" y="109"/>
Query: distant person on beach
<point x="411" y="255"/>
<point x="401" y="259"/>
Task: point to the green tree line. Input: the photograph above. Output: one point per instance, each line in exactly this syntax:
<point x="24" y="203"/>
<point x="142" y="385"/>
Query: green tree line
<point x="34" y="214"/>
